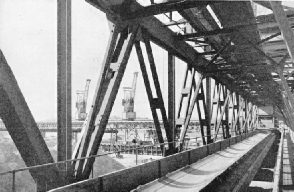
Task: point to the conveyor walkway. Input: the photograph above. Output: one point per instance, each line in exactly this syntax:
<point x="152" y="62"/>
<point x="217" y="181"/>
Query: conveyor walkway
<point x="196" y="176"/>
<point x="288" y="164"/>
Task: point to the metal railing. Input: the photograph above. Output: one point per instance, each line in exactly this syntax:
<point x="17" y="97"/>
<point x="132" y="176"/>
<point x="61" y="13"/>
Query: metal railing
<point x="65" y="163"/>
<point x="278" y="170"/>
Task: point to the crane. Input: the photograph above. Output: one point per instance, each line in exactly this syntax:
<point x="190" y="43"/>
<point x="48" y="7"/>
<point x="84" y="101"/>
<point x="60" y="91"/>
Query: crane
<point x="129" y="100"/>
<point x="81" y="104"/>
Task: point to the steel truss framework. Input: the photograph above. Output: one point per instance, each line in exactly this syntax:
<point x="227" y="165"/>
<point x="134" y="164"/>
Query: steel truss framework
<point x="226" y="82"/>
<point x="222" y="106"/>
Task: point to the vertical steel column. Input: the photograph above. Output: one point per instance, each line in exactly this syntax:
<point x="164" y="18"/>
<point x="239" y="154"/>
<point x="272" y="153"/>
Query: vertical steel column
<point x="208" y="131"/>
<point x="256" y="121"/>
<point x="240" y="116"/>
<point x="237" y="121"/>
<point x="236" y="125"/>
<point x="208" y="103"/>
<point x="231" y="113"/>
<point x="186" y="93"/>
<point x="222" y="110"/>
<point x="64" y="131"/>
<point x="171" y="93"/>
<point x="253" y="118"/>
<point x="191" y="108"/>
<point x="216" y="102"/>
<point x="201" y="121"/>
<point x="226" y="121"/>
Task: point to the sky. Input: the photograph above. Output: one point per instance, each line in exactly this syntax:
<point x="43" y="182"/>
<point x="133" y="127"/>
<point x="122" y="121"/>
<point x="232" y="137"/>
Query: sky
<point x="28" y="39"/>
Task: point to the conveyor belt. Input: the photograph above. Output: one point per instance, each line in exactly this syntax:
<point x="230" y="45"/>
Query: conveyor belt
<point x="196" y="176"/>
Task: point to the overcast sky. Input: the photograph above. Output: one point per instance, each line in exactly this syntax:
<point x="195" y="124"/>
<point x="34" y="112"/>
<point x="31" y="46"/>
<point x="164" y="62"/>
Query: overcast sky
<point x="28" y="39"/>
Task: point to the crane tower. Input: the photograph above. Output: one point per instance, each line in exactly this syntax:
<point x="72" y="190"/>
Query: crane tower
<point x="129" y="100"/>
<point x="81" y="104"/>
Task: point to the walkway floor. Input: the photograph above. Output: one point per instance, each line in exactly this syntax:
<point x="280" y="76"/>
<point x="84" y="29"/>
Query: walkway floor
<point x="288" y="164"/>
<point x="201" y="173"/>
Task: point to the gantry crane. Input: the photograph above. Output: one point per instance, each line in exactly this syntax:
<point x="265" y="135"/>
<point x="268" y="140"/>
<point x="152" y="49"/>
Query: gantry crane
<point x="129" y="100"/>
<point x="81" y="104"/>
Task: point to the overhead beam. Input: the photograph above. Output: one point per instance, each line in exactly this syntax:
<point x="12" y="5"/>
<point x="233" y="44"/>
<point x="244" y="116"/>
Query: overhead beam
<point x="284" y="25"/>
<point x="160" y="8"/>
<point x="159" y="34"/>
<point x="163" y="37"/>
<point x="209" y="33"/>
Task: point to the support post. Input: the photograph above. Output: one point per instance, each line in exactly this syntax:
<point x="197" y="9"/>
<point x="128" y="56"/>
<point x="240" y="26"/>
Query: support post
<point x="206" y="114"/>
<point x="190" y="110"/>
<point x="222" y="111"/>
<point x="237" y="121"/>
<point x="241" y="113"/>
<point x="64" y="130"/>
<point x="208" y="103"/>
<point x="226" y="121"/>
<point x="171" y="94"/>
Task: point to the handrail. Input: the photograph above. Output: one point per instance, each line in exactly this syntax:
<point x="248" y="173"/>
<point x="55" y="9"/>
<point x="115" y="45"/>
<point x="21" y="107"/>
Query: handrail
<point x="278" y="166"/>
<point x="14" y="171"/>
<point x="88" y="157"/>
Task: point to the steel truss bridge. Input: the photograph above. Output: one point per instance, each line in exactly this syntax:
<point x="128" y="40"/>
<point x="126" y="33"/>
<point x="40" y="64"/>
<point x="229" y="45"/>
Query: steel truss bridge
<point x="236" y="61"/>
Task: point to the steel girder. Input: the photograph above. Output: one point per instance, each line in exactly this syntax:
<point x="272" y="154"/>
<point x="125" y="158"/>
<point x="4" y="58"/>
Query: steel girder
<point x="119" y="47"/>
<point x="165" y="38"/>
<point x="24" y="131"/>
<point x="159" y="8"/>
<point x="155" y="103"/>
<point x="187" y="92"/>
<point x="284" y="25"/>
<point x="225" y="106"/>
<point x="171" y="94"/>
<point x="64" y="127"/>
<point x="288" y="37"/>
<point x="222" y="109"/>
<point x="120" y="44"/>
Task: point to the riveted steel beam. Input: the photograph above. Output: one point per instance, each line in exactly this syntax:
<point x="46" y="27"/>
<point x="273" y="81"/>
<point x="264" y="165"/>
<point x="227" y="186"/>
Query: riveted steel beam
<point x="121" y="41"/>
<point x="190" y="108"/>
<point x="164" y="7"/>
<point x="284" y="25"/>
<point x="171" y="93"/>
<point x="207" y="33"/>
<point x="160" y="104"/>
<point x="237" y="121"/>
<point x="24" y="131"/>
<point x="222" y="111"/>
<point x="208" y="102"/>
<point x="64" y="128"/>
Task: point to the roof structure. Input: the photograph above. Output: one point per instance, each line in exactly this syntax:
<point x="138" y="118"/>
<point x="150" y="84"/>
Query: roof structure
<point x="226" y="40"/>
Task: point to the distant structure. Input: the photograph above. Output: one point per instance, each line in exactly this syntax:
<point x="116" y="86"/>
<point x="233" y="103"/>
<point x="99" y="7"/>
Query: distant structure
<point x="129" y="100"/>
<point x="266" y="117"/>
<point x="81" y="104"/>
